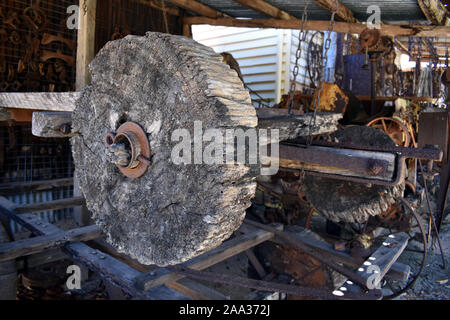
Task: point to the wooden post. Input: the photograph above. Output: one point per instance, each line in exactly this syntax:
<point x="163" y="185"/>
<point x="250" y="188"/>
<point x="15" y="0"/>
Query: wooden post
<point x="85" y="54"/>
<point x="86" y="41"/>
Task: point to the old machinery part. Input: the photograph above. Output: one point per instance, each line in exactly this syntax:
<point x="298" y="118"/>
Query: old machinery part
<point x="349" y="201"/>
<point x="369" y="39"/>
<point x="131" y="149"/>
<point x="414" y="254"/>
<point x="172" y="212"/>
<point x="394" y="128"/>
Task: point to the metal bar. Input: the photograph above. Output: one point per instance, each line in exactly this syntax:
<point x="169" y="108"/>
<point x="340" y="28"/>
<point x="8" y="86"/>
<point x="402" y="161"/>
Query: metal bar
<point x="328" y="158"/>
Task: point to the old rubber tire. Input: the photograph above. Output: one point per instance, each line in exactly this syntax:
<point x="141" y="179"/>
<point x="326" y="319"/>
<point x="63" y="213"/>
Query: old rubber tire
<point x="162" y="82"/>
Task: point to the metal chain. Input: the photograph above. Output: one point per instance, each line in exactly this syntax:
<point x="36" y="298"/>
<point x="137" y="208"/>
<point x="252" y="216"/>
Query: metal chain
<point x="301" y="38"/>
<point x="316" y="102"/>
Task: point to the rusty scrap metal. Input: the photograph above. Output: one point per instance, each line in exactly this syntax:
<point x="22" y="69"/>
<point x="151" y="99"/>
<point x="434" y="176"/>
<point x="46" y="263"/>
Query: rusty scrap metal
<point x="294" y="243"/>
<point x="273" y="287"/>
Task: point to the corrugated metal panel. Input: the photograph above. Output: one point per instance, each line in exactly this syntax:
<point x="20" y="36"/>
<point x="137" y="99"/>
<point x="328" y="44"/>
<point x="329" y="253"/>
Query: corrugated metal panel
<point x="391" y="10"/>
<point x="266" y="56"/>
<point x="256" y="51"/>
<point x="51" y="216"/>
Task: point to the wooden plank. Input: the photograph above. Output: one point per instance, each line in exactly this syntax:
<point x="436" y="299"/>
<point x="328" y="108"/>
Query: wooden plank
<point x="113" y="270"/>
<point x="288" y="156"/>
<point x="85" y="43"/>
<point x="255" y="263"/>
<point x="117" y="272"/>
<point x="267" y="9"/>
<point x="320" y="25"/>
<point x="35" y="185"/>
<point x="196" y="290"/>
<point x="50" y="205"/>
<point x="47" y="101"/>
<point x="342" y="11"/>
<point x="52" y="124"/>
<point x="378" y="264"/>
<point x="398" y="270"/>
<point x="26" y="247"/>
<point x="198" y="7"/>
<point x="186" y="287"/>
<point x="226" y="250"/>
<point x="156" y="4"/>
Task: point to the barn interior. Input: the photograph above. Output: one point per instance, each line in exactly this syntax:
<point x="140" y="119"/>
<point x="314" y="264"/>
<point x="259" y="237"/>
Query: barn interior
<point x="343" y="195"/>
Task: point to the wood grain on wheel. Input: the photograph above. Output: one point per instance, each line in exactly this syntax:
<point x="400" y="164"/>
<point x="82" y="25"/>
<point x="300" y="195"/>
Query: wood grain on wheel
<point x="162" y="82"/>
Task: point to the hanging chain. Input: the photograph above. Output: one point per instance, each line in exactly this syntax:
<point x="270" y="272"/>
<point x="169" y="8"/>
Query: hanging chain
<point x="316" y="102"/>
<point x="298" y="54"/>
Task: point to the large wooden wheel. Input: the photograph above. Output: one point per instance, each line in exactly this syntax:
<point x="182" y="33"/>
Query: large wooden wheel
<point x="155" y="84"/>
<point x="394" y="128"/>
<point x="346" y="201"/>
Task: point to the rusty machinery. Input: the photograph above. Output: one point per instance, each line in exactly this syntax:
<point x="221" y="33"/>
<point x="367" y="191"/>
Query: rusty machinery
<point x="162" y="213"/>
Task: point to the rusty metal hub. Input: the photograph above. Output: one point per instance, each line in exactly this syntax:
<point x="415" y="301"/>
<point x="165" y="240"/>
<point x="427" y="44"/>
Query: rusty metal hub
<point x="131" y="145"/>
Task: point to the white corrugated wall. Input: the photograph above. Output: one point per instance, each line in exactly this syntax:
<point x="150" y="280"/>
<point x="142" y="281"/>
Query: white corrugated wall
<point x="262" y="54"/>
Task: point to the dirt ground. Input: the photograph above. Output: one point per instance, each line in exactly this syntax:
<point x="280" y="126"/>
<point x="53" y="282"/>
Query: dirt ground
<point x="434" y="282"/>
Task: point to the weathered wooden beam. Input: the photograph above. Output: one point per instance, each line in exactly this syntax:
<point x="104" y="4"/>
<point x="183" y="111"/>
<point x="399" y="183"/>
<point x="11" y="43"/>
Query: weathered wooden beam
<point x="346" y="162"/>
<point x="267" y="9"/>
<point x="50" y="205"/>
<point x="27" y="247"/>
<point x="398" y="270"/>
<point x="342" y="11"/>
<point x="380" y="262"/>
<point x="435" y="12"/>
<point x="85" y="43"/>
<point x="157" y="4"/>
<point x="198" y="7"/>
<point x="115" y="271"/>
<point x="226" y="250"/>
<point x="34" y="185"/>
<point x="342" y="27"/>
<point x="196" y="290"/>
<point x="52" y="124"/>
<point x="47" y="101"/>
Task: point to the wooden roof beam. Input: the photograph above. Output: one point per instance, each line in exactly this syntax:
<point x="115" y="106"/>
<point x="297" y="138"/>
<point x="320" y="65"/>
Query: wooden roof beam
<point x="435" y="12"/>
<point x="199" y="8"/>
<point x="267" y="9"/>
<point x="342" y="27"/>
<point x="342" y="11"/>
<point x="157" y="4"/>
